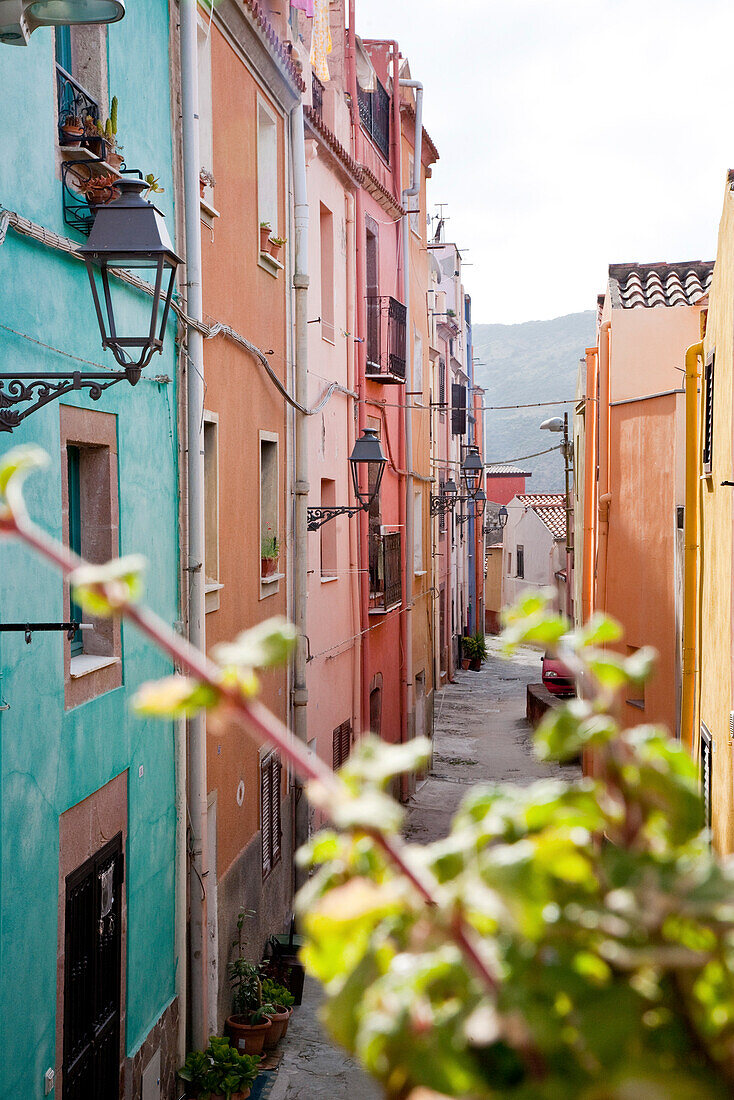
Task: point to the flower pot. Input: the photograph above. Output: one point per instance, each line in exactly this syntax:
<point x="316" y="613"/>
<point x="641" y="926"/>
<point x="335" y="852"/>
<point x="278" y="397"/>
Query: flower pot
<point x="274" y="249"/>
<point x="267" y="566"/>
<point x="264" y="238"/>
<point x="465" y="662"/>
<point x="102" y="195"/>
<point x="285" y="1028"/>
<point x="475" y="664"/>
<point x="247" y="1038"/>
<point x="115" y="160"/>
<point x="279" y="1021"/>
<point x="72" y="135"/>
<point x="232" y="1095"/>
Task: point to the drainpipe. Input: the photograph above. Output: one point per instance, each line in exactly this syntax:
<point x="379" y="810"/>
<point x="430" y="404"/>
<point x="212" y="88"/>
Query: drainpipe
<point x="300" y="528"/>
<point x="354" y="574"/>
<point x="411" y="192"/>
<point x="604" y="494"/>
<point x="693" y="354"/>
<point x="587" y="599"/>
<point x="197" y="626"/>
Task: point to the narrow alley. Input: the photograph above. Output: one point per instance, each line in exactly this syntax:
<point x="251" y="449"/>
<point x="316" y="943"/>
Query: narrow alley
<point x="480" y="735"/>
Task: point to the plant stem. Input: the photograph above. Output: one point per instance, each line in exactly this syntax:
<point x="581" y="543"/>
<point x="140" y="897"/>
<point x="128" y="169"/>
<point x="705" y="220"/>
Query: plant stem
<point x="267" y="727"/>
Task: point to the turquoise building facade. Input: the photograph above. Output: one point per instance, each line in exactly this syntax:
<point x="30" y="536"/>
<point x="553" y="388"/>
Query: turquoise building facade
<point x="87" y="789"/>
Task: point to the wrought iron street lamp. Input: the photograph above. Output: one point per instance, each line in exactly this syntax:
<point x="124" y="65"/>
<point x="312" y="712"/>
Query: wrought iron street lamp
<point x="479" y="499"/>
<point x="129" y="234"/>
<point x="502" y="516"/>
<point x="472" y="470"/>
<point x="367" y="452"/>
<point x="496" y="522"/>
<point x="445" y="501"/>
<point x="20" y="18"/>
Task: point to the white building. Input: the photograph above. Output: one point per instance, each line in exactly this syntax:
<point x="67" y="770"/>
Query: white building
<point x="534" y="545"/>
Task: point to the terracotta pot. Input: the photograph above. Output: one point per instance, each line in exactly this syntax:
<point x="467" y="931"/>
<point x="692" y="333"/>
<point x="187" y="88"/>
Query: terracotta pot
<point x="465" y="662"/>
<point x="267" y="566"/>
<point x="279" y="1021"/>
<point x="233" y="1095"/>
<point x="475" y="664"/>
<point x="247" y="1038"/>
<point x="72" y="135"/>
<point x="264" y="238"/>
<point x="285" y="1027"/>
<point x="114" y="160"/>
<point x="274" y="249"/>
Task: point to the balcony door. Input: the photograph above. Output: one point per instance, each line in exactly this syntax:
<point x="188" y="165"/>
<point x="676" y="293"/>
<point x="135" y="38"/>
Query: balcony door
<point x="93" y="932"/>
<point x="372" y="286"/>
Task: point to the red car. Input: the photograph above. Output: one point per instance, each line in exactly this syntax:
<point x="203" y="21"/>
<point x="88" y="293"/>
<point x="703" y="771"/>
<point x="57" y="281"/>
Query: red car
<point x="557" y="678"/>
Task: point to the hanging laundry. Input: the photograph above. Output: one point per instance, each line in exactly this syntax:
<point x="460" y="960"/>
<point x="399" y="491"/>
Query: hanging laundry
<point x="321" y="39"/>
<point x="304" y="5"/>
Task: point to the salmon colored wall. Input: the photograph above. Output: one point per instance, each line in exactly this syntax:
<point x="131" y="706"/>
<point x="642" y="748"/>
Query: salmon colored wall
<point x="501" y="490"/>
<point x="493" y="585"/>
<point x="642" y="529"/>
<point x="716" y="691"/>
<point x="241" y="293"/>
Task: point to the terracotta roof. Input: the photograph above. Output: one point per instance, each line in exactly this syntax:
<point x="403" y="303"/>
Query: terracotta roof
<point x="501" y="469"/>
<point x="541" y="500"/>
<point x="632" y="286"/>
<point x="281" y="49"/>
<point x="386" y="199"/>
<point x="331" y="141"/>
<point x="548" y="507"/>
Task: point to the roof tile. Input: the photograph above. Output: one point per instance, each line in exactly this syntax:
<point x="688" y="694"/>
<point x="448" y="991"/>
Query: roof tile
<point x="635" y="286"/>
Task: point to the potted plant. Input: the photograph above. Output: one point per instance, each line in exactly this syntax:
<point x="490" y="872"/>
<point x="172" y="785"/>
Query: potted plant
<point x="99" y="190"/>
<point x="250" y="1019"/>
<point x="276" y="243"/>
<point x="72" y="130"/>
<point x="206" y="179"/>
<point x="265" y="230"/>
<point x="154" y="187"/>
<point x="282" y="1001"/>
<point x="474" y="647"/>
<point x="269" y="550"/>
<point x="219" y="1072"/>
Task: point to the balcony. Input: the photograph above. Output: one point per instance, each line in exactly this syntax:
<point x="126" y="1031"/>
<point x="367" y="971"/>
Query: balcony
<point x="75" y="105"/>
<point x="385" y="339"/>
<point x="317" y="96"/>
<point x="374" y="114"/>
<point x="386" y="586"/>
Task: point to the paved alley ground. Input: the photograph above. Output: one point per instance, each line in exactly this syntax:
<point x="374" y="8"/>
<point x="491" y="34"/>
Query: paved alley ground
<point x="480" y="734"/>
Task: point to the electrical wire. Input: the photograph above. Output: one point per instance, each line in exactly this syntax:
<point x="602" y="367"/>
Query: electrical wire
<point x="507" y="461"/>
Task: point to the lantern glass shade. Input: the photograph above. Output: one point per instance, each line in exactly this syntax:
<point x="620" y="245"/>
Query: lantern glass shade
<point x="450" y="489"/>
<point x="367" y="452"/>
<point x="71" y="13"/>
<point x="472" y="469"/>
<point x="502" y="516"/>
<point x="480" y="500"/>
<point x="129" y="234"/>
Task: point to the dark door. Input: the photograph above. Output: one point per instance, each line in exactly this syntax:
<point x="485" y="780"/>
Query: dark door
<point x="373" y="293"/>
<point x="92" y="976"/>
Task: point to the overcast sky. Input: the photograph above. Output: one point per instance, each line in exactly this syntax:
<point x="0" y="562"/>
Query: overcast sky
<point x="572" y="134"/>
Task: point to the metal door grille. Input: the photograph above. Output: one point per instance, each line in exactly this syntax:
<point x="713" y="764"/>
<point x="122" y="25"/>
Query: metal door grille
<point x="93" y="937"/>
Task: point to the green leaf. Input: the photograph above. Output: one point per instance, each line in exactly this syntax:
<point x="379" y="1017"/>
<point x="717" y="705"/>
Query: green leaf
<point x="640" y="665"/>
<point x="562" y="734"/>
<point x="600" y="630"/>
<point x="104" y="590"/>
<point x="14" y="468"/>
<point x="608" y="668"/>
<point x="376" y="762"/>
<point x="266" y="645"/>
<point x="174" y="697"/>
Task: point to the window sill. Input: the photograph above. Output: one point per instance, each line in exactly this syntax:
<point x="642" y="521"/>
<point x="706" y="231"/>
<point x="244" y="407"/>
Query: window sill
<point x="211" y="596"/>
<point x="384" y="610"/>
<point x="87" y="663"/>
<point x="328" y="579"/>
<point x="420" y="572"/>
<point x="272" y="578"/>
<point x="208" y="213"/>
<point x="636" y="703"/>
<point x="270" y="264"/>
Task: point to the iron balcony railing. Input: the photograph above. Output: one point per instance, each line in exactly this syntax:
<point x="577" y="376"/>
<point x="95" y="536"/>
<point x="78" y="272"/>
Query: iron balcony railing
<point x="385" y="338"/>
<point x="76" y="103"/>
<point x="374" y="114"/>
<point x="386" y="587"/>
<point x="317" y="95"/>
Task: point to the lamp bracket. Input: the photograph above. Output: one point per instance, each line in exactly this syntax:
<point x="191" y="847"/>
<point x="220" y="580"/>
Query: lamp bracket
<point x="40" y="389"/>
<point x="317" y="517"/>
<point x="30" y="628"/>
<point x="441" y="505"/>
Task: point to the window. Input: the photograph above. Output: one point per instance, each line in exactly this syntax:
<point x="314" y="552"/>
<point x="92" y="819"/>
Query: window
<point x="326" y="222"/>
<point x="706" y="763"/>
<point x="327" y="533"/>
<point x="442" y="387"/>
<point x="81" y="71"/>
<point x="635" y="692"/>
<point x="520" y="562"/>
<point x="418" y="532"/>
<point x="206" y="128"/>
<point x="90" y="508"/>
<point x="509" y="564"/>
<point x="341" y="744"/>
<point x="458" y="409"/>
<point x="267" y="167"/>
<point x="211" y="511"/>
<point x="708" y="415"/>
<point x="269" y="530"/>
<point x="442" y="514"/>
<point x="270" y="772"/>
<point x="376" y="711"/>
<point x="374" y="114"/>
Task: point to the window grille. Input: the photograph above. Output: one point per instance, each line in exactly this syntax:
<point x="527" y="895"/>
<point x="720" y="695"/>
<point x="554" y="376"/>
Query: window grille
<point x="342" y="744"/>
<point x="708" y="415"/>
<point x="270" y="771"/>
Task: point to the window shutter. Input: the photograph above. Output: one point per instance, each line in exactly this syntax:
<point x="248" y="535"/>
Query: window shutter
<point x="706" y="768"/>
<point x="708" y="415"/>
<point x="342" y="744"/>
<point x="276" y="769"/>
<point x="458" y="409"/>
<point x="442" y="383"/>
<point x="265" y="814"/>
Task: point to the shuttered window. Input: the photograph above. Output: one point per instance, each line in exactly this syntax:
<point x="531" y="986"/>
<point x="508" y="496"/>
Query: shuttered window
<point x="342" y="744"/>
<point x="270" y="771"/>
<point x="442" y="384"/>
<point x="706" y="762"/>
<point x="708" y="415"/>
<point x="442" y="514"/>
<point x="458" y="409"/>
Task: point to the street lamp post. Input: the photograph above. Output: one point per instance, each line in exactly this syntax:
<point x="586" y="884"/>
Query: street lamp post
<point x="367" y="452"/>
<point x="556" y="424"/>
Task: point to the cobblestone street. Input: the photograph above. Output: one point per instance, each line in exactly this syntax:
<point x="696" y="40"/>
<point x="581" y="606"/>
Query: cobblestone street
<point x="480" y="734"/>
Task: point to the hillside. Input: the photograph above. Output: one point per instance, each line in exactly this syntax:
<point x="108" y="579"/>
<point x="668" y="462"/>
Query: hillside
<point x="531" y="362"/>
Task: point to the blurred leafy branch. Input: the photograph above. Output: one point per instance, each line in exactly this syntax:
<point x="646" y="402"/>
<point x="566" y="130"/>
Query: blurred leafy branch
<point x="565" y="941"/>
